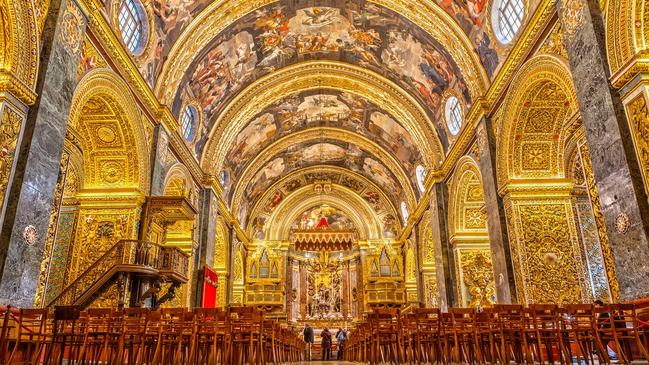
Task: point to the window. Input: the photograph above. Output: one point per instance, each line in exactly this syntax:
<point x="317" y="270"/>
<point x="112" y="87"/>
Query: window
<point x="187" y="122"/>
<point x="453" y="113"/>
<point x="132" y="25"/>
<point x="404" y="212"/>
<point x="420" y="173"/>
<point x="506" y="19"/>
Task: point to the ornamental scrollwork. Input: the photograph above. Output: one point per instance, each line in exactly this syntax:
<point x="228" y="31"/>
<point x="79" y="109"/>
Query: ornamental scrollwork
<point x="9" y="132"/>
<point x="478" y="276"/>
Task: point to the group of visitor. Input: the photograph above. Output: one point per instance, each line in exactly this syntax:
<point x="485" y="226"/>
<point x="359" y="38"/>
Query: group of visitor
<point x="326" y="342"/>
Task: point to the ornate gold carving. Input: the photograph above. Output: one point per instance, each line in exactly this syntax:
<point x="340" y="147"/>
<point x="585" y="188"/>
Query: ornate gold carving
<point x="554" y="43"/>
<point x="110" y="128"/>
<point x="547" y="258"/>
<point x="540" y="98"/>
<point x="572" y="16"/>
<point x="71" y="31"/>
<point x="9" y="132"/>
<point x="638" y="115"/>
<point x="478" y="276"/>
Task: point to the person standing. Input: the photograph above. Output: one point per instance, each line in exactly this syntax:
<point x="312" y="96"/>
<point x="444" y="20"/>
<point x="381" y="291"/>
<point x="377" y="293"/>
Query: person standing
<point x="308" y="338"/>
<point x="341" y="337"/>
<point x="326" y="344"/>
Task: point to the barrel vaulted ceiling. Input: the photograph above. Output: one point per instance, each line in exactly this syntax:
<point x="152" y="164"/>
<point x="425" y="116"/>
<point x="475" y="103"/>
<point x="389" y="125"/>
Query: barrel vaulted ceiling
<point x="284" y="86"/>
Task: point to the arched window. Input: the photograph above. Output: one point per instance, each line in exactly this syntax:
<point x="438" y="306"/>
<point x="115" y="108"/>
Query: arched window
<point x="404" y="212"/>
<point x="132" y="25"/>
<point x="187" y="122"/>
<point x="507" y="18"/>
<point x="420" y="173"/>
<point x="453" y="114"/>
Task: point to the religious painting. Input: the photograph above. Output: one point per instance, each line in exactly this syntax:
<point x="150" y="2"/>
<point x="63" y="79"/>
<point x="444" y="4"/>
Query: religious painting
<point x="323" y="216"/>
<point x="364" y="34"/>
<point x="322" y="152"/>
<point x="390" y="226"/>
<point x="170" y="18"/>
<point x="334" y="110"/>
<point x="471" y="17"/>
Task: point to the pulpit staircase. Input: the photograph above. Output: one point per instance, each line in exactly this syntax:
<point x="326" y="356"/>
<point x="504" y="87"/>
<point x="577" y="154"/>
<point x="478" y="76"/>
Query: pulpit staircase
<point x="128" y="261"/>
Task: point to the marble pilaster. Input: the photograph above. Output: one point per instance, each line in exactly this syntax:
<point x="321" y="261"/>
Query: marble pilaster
<point x="31" y="197"/>
<point x="204" y="255"/>
<point x="615" y="167"/>
<point x="496" y="222"/>
<point x="445" y="270"/>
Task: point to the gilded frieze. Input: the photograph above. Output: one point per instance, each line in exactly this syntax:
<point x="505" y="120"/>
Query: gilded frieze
<point x="638" y="115"/>
<point x="9" y="132"/>
<point x="605" y="243"/>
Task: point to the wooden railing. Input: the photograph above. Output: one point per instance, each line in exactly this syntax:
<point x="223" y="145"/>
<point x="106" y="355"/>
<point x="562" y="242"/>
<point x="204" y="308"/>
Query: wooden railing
<point x="126" y="256"/>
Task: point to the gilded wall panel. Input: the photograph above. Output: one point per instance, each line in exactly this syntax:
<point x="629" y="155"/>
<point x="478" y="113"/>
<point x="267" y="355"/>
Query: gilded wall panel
<point x="547" y="258"/>
<point x="476" y="278"/>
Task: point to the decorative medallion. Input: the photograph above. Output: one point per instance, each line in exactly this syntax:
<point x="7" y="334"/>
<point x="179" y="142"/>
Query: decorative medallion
<point x="30" y="235"/>
<point x="106" y="134"/>
<point x="72" y="29"/>
<point x="111" y="172"/>
<point x="573" y="16"/>
<point x="622" y="223"/>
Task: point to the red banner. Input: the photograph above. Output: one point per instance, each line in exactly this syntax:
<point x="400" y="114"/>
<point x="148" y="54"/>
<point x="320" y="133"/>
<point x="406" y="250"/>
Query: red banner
<point x="210" y="284"/>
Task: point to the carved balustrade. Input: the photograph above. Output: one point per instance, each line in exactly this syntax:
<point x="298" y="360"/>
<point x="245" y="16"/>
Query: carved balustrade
<point x="126" y="257"/>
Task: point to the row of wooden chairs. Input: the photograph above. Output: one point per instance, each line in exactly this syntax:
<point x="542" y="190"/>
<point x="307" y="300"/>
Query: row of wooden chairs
<point x="539" y="334"/>
<point x="235" y="335"/>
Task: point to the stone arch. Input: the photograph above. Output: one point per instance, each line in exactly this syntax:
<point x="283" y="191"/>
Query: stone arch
<point x="627" y="36"/>
<point x="540" y="99"/>
<point x="111" y="132"/>
<point x="466" y="200"/>
<point x="19" y="48"/>
<point x="178" y="182"/>
<point x="469" y="237"/>
<point x="367" y="223"/>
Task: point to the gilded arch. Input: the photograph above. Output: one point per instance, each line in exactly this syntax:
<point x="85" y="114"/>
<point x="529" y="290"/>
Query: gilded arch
<point x="108" y="122"/>
<point x="19" y="49"/>
<point x="466" y="200"/>
<point x="320" y="75"/>
<point x="359" y="211"/>
<point x="532" y="140"/>
<point x="627" y="38"/>
<point x="220" y="15"/>
<point x="313" y="135"/>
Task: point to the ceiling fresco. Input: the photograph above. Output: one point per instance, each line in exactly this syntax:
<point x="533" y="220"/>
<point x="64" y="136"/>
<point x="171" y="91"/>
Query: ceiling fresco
<point x="172" y="17"/>
<point x="276" y="36"/>
<point x="321" y="152"/>
<point x="337" y="110"/>
<point x="272" y="198"/>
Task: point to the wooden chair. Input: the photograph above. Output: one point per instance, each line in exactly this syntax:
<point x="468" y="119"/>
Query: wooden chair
<point x="510" y="335"/>
<point x="546" y="334"/>
<point x="102" y="335"/>
<point x="485" y="326"/>
<point x="212" y="336"/>
<point x="31" y="335"/>
<point x="628" y="332"/>
<point x="246" y="328"/>
<point x="463" y="335"/>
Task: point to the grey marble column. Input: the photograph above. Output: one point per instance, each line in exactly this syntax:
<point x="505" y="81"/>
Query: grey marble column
<point x="615" y="167"/>
<point x="496" y="223"/>
<point x="444" y="257"/>
<point x="207" y="216"/>
<point x="31" y="196"/>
